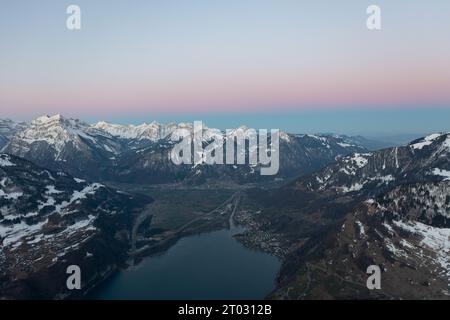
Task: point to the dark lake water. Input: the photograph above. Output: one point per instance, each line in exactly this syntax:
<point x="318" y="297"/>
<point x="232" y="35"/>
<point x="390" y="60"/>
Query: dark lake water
<point x="207" y="266"/>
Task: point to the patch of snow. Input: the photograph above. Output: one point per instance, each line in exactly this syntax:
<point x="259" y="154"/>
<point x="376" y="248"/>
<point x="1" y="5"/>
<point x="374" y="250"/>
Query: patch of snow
<point x="13" y="233"/>
<point x="388" y="228"/>
<point x="107" y="148"/>
<point x="31" y="214"/>
<point x="82" y="224"/>
<point x="10" y="196"/>
<point x="354" y="187"/>
<point x="406" y="244"/>
<point x="345" y="145"/>
<point x="442" y="173"/>
<point x="386" y="179"/>
<point x="355" y="162"/>
<point x="284" y="136"/>
<point x="79" y="195"/>
<point x="362" y="231"/>
<point x="50" y="202"/>
<point x="435" y="239"/>
<point x="5" y="161"/>
<point x="89" y="190"/>
<point x="396" y="158"/>
<point x="36" y="239"/>
<point x="393" y="249"/>
<point x="425" y="141"/>
<point x="3" y="182"/>
<point x="323" y="139"/>
<point x="360" y="159"/>
<point x="52" y="190"/>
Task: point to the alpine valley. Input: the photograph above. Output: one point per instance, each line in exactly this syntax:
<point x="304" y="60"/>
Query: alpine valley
<point x="104" y="196"/>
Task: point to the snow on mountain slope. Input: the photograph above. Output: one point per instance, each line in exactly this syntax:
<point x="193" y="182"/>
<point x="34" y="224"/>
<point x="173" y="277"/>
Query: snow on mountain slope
<point x="65" y="144"/>
<point x="407" y="227"/>
<point x="49" y="220"/>
<point x="423" y="160"/>
<point x="299" y="155"/>
<point x="405" y="231"/>
<point x="30" y="195"/>
<point x="426" y="141"/>
<point x="153" y="131"/>
<point x="141" y="153"/>
<point x="130" y="153"/>
<point x="389" y="208"/>
<point x="55" y="131"/>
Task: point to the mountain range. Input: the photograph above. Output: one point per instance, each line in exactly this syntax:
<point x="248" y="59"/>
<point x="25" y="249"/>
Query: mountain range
<point x="139" y="154"/>
<point x="339" y="208"/>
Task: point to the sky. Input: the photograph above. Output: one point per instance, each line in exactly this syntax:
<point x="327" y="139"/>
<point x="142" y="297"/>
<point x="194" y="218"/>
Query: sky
<point x="296" y="65"/>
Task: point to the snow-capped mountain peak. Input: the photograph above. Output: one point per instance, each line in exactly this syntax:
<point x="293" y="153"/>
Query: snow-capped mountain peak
<point x="57" y="142"/>
<point x="105" y="150"/>
<point x="153" y="131"/>
<point x="47" y="118"/>
<point x="431" y="139"/>
<point x="424" y="159"/>
<point x="56" y="131"/>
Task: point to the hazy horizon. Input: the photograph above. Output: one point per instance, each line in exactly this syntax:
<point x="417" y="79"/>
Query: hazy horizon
<point x="300" y="66"/>
<point x="368" y="124"/>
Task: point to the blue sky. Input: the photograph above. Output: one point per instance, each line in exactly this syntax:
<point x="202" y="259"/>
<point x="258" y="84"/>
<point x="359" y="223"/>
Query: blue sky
<point x="294" y="64"/>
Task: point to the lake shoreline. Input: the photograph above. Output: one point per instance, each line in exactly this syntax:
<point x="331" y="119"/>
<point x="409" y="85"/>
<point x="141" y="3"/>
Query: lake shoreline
<point x="221" y="236"/>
